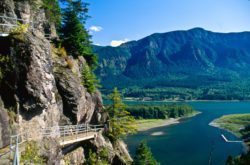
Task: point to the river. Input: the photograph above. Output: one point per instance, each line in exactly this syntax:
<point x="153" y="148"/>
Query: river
<point x="193" y="141"/>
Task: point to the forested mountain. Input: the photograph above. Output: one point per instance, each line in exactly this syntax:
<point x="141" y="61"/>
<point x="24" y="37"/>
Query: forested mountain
<point x="205" y="64"/>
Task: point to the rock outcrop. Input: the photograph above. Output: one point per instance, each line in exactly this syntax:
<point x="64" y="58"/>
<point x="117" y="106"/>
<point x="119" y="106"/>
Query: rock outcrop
<point x="4" y="126"/>
<point x="39" y="89"/>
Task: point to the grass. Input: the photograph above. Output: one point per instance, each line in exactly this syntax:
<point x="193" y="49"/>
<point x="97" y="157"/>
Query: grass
<point x="233" y="123"/>
<point x="143" y="124"/>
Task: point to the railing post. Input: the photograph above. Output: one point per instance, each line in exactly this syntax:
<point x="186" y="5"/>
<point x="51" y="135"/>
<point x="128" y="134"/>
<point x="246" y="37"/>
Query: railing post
<point x="86" y="128"/>
<point x="76" y="131"/>
<point x="10" y="146"/>
<point x="16" y="157"/>
<point x="63" y="133"/>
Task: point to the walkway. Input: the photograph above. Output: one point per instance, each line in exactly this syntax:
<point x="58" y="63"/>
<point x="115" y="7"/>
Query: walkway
<point x="72" y="133"/>
<point x="230" y="141"/>
<point x="67" y="134"/>
<point x="8" y="23"/>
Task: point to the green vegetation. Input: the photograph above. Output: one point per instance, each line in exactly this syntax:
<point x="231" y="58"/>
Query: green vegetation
<point x="75" y="37"/>
<point x="31" y="154"/>
<point x="98" y="158"/>
<point x="235" y="123"/>
<point x="174" y="71"/>
<point x="160" y="111"/>
<point x="6" y="66"/>
<point x="145" y="124"/>
<point x="121" y="123"/>
<point x="52" y="11"/>
<point x="236" y="90"/>
<point x="19" y="31"/>
<point x="89" y="79"/>
<point x="21" y="28"/>
<point x="240" y="125"/>
<point x="144" y="155"/>
<point x="76" y="41"/>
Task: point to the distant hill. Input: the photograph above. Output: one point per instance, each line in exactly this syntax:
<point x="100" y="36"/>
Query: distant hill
<point x="193" y="64"/>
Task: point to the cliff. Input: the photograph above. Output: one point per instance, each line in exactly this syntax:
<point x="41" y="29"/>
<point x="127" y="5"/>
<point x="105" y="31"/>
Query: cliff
<point x="41" y="88"/>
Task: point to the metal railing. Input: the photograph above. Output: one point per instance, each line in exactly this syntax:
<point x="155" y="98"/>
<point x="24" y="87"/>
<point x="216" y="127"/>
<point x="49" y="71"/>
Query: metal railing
<point x="65" y="133"/>
<point x="70" y="132"/>
<point x="8" y="23"/>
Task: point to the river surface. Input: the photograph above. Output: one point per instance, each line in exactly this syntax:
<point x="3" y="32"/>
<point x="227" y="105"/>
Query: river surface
<point x="193" y="141"/>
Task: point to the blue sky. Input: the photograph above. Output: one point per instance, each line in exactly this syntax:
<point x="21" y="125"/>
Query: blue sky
<point x="116" y="21"/>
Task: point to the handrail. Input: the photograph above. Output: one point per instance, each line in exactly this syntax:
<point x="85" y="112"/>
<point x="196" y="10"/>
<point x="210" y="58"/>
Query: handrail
<point x="13" y="18"/>
<point x="6" y="27"/>
<point x="67" y="133"/>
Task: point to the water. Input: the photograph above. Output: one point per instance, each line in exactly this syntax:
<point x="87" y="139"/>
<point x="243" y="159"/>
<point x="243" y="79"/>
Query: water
<point x="192" y="141"/>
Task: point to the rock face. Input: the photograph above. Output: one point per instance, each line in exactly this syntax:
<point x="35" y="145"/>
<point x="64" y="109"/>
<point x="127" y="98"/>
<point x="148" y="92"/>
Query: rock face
<point x="41" y="89"/>
<point x="4" y="126"/>
<point x="117" y="153"/>
<point x="78" y="104"/>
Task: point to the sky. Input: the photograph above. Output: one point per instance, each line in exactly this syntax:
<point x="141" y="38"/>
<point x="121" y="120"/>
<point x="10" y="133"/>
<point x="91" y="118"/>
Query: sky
<point x="113" y="22"/>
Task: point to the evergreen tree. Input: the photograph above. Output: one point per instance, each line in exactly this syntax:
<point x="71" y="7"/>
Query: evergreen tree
<point x="97" y="158"/>
<point x="121" y="123"/>
<point x="75" y="37"/>
<point x="89" y="79"/>
<point x="144" y="155"/>
<point x="52" y="11"/>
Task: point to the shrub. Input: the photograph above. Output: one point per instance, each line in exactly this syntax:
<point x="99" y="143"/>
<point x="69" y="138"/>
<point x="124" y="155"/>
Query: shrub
<point x="70" y="63"/>
<point x="20" y="29"/>
<point x="31" y="154"/>
<point x="6" y="66"/>
<point x="97" y="158"/>
<point x="12" y="117"/>
<point x="62" y="52"/>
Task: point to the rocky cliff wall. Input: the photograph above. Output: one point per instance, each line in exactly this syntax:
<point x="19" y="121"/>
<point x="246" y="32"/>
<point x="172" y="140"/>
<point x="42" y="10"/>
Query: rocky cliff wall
<point x="39" y="88"/>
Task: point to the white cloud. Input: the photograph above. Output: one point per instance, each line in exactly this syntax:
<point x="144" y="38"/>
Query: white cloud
<point x="115" y="43"/>
<point x="95" y="28"/>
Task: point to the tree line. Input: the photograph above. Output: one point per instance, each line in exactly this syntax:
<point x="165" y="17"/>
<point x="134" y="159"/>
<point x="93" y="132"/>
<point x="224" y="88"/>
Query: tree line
<point x="160" y="111"/>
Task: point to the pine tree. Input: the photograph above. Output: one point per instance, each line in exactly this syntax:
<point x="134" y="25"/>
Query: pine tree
<point x="89" y="79"/>
<point x="52" y="11"/>
<point x="75" y="37"/>
<point x="121" y="123"/>
<point x="144" y="155"/>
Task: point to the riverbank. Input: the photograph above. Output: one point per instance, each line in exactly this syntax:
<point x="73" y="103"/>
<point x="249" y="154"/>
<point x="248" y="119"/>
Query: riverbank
<point x="237" y="124"/>
<point x="146" y="124"/>
<point x="183" y="101"/>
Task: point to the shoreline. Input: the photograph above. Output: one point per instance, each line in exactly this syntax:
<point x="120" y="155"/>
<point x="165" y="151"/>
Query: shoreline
<point x="217" y="125"/>
<point x="185" y="101"/>
<point x="156" y="123"/>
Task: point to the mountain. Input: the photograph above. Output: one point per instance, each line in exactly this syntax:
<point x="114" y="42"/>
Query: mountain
<point x="194" y="60"/>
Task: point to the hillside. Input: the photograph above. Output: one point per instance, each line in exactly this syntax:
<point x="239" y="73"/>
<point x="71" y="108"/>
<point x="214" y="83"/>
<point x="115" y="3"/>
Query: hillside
<point x="193" y="64"/>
